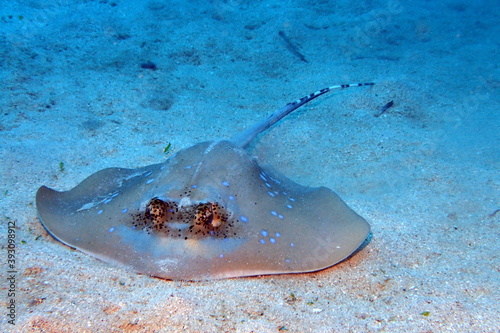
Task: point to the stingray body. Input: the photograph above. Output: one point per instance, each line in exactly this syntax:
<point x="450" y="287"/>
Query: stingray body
<point x="209" y="211"/>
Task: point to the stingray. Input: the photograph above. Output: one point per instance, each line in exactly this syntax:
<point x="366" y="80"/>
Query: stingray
<point x="209" y="211"/>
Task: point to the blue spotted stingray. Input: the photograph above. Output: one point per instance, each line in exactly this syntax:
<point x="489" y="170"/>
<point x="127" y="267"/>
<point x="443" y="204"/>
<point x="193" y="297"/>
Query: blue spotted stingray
<point x="209" y="211"/>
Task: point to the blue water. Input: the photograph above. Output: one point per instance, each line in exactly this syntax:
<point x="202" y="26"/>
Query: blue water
<point x="92" y="84"/>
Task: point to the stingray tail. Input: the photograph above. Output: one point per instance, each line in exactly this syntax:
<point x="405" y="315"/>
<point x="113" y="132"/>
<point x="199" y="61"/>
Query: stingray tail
<point x="245" y="137"/>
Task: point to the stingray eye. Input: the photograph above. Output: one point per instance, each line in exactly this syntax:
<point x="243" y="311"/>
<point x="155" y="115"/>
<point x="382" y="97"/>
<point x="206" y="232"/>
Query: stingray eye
<point x="157" y="211"/>
<point x="168" y="218"/>
<point x="209" y="215"/>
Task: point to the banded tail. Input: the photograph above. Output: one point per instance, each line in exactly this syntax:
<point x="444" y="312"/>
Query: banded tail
<point x="245" y="137"/>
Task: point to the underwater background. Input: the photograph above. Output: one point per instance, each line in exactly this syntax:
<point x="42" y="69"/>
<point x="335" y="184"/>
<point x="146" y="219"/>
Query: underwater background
<point x="87" y="85"/>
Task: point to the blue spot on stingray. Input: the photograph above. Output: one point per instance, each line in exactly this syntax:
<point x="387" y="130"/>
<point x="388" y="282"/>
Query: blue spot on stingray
<point x="231" y="198"/>
<point x="264" y="233"/>
<point x="262" y="241"/>
<point x="111" y="229"/>
<point x="150" y="181"/>
<point x="271" y="194"/>
<point x="289" y="206"/>
<point x="268" y="185"/>
<point x="194" y="186"/>
<point x="99" y="212"/>
<point x="124" y="210"/>
<point x="243" y="219"/>
<point x="277" y="234"/>
<point x="263" y="177"/>
<point x="148" y="174"/>
<point x="115" y="194"/>
<point x="274" y="213"/>
<point x="292" y="245"/>
<point x="280" y="216"/>
<point x="188" y="167"/>
<point x="287" y="261"/>
<point x="221" y="255"/>
<point x="226" y="184"/>
<point x="108" y="200"/>
<point x="291" y="199"/>
<point x="272" y="240"/>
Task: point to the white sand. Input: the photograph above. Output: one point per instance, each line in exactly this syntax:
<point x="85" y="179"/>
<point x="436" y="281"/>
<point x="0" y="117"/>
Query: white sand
<point x="424" y="174"/>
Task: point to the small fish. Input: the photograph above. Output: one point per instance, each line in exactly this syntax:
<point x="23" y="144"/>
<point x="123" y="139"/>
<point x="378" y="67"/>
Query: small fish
<point x="292" y="47"/>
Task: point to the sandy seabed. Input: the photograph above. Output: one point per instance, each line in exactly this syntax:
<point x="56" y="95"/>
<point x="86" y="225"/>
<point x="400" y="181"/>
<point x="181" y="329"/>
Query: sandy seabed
<point x="77" y="96"/>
